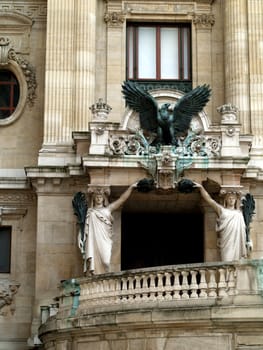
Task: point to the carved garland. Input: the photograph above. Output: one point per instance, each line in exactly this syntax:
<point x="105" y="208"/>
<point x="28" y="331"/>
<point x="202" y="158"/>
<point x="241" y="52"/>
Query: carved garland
<point x="8" y="54"/>
<point x="8" y="290"/>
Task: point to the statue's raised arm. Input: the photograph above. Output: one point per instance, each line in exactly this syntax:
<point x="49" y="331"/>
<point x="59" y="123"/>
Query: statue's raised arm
<point x="230" y="226"/>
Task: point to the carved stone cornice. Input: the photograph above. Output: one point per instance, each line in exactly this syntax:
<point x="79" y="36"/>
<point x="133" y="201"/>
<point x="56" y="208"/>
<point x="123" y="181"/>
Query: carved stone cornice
<point x="204" y="20"/>
<point x="114" y="19"/>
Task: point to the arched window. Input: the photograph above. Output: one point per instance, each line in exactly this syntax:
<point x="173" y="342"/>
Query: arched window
<point x="9" y="93"/>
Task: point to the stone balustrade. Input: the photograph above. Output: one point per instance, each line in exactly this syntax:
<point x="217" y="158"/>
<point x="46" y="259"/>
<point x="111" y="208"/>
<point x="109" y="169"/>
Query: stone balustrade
<point x="205" y="284"/>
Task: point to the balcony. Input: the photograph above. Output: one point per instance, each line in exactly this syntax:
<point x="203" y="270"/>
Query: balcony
<point x="194" y="288"/>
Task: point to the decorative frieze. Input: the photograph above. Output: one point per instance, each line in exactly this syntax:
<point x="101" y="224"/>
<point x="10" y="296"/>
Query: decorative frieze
<point x="28" y="8"/>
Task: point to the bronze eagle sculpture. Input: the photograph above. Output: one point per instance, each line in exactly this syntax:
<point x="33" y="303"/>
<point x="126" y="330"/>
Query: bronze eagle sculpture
<point x="166" y="122"/>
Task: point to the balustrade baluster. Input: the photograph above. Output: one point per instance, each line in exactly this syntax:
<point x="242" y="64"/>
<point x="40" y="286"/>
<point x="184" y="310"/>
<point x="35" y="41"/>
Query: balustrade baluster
<point x="168" y="287"/>
<point x="231" y="283"/>
<point x="185" y="285"/>
<point x="137" y="288"/>
<point x="176" y="286"/>
<point x="152" y="288"/>
<point x="124" y="289"/>
<point x="203" y="284"/>
<point x="159" y="288"/>
<point x="212" y="285"/>
<point x="193" y="286"/>
<point x="222" y="285"/>
<point x="145" y="289"/>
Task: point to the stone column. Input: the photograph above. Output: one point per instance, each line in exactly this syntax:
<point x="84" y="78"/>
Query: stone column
<point x="59" y="72"/>
<point x="85" y="62"/>
<point x="255" y="23"/>
<point x="70" y="76"/>
<point x="236" y="59"/>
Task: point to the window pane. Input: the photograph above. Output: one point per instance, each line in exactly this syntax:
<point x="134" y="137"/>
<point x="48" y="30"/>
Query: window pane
<point x="5" y="249"/>
<point x="146" y="53"/>
<point x="186" y="58"/>
<point x="130" y="55"/>
<point x="169" y="53"/>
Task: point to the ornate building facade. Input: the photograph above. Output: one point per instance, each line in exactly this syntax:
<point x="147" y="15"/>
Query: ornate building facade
<point x="65" y="129"/>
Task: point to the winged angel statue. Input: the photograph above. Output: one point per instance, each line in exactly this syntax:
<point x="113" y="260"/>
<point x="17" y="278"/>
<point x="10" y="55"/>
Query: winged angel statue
<point x="166" y="122"/>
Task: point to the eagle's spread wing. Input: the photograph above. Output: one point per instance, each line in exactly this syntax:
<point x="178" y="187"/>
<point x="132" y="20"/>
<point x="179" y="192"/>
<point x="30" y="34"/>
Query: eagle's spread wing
<point x="188" y="106"/>
<point x="248" y="210"/>
<point x="80" y="208"/>
<point x="143" y="103"/>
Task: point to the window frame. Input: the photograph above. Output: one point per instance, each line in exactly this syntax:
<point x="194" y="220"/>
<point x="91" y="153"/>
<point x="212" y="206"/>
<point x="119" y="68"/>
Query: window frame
<point x="13" y="67"/>
<point x="133" y="27"/>
<point x="9" y="229"/>
<point x="11" y="85"/>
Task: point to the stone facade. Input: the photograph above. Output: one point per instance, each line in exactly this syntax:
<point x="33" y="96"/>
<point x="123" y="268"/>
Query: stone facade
<point x="71" y="130"/>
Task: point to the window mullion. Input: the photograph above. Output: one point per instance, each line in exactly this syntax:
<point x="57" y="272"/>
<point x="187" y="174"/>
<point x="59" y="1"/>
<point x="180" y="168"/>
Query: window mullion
<point x="158" y="53"/>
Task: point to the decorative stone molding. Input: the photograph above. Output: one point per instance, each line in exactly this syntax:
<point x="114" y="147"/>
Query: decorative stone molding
<point x="100" y="110"/>
<point x="9" y="212"/>
<point x="204" y="20"/>
<point x="114" y="19"/>
<point x="4" y="50"/>
<point x="8" y="289"/>
<point x="7" y="54"/>
<point x="28" y="8"/>
<point x="17" y="197"/>
<point x="229" y="113"/>
<point x="29" y="73"/>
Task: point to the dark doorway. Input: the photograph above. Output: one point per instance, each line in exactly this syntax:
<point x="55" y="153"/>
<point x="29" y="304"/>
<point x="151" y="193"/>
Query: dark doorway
<point x="158" y="239"/>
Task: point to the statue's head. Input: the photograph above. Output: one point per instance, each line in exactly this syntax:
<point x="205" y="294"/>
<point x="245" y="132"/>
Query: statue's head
<point x="231" y="199"/>
<point x="98" y="196"/>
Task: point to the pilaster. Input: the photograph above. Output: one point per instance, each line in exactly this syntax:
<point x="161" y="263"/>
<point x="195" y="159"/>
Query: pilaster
<point x="236" y="59"/>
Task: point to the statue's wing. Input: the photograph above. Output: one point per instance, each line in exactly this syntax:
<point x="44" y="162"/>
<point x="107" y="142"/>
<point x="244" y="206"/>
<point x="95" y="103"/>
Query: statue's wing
<point x="80" y="208"/>
<point x="143" y="103"/>
<point x="248" y="210"/>
<point x="188" y="106"/>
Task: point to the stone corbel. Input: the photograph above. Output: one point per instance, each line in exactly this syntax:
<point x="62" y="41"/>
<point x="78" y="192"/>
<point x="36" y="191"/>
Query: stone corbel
<point x="114" y="19"/>
<point x="204" y="20"/>
<point x="8" y="289"/>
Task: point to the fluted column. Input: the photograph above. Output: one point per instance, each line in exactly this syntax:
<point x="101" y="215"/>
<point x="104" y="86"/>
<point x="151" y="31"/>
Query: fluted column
<point x="59" y="72"/>
<point x="85" y="62"/>
<point x="236" y="59"/>
<point x="255" y="22"/>
<point x="70" y="76"/>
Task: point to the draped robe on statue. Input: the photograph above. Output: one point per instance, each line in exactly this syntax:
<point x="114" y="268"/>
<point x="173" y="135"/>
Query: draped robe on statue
<point x="98" y="242"/>
<point x="232" y="235"/>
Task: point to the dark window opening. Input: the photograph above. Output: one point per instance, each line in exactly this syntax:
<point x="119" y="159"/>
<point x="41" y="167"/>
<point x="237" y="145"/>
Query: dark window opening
<point x="9" y="93"/>
<point x="5" y="249"/>
<point x="159" y="239"/>
<point x="158" y="52"/>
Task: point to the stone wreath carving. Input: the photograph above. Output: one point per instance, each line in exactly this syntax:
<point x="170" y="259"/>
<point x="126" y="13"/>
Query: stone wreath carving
<point x="8" y="290"/>
<point x="8" y="54"/>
